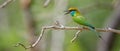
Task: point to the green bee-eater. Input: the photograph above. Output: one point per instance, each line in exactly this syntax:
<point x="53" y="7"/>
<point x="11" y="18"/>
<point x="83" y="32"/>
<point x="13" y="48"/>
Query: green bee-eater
<point x="81" y="20"/>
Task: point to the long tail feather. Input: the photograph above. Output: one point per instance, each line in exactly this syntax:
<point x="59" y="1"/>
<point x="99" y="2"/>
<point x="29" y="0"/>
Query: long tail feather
<point x="92" y="28"/>
<point x="98" y="35"/>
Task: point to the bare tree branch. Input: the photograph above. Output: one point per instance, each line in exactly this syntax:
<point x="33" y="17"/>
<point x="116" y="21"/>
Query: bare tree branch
<point x="76" y="35"/>
<point x="5" y="3"/>
<point x="46" y="3"/>
<point x="20" y="44"/>
<point x="58" y="27"/>
<point x="39" y="38"/>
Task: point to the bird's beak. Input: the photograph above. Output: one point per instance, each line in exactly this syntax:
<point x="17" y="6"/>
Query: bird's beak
<point x="67" y="12"/>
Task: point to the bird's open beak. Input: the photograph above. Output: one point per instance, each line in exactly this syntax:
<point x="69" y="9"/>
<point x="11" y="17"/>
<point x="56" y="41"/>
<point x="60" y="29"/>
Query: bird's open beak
<point x="67" y="12"/>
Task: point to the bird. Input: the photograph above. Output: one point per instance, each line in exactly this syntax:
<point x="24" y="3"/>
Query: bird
<point x="80" y="19"/>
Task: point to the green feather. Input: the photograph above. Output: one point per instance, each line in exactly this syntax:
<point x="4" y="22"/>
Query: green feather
<point x="82" y="21"/>
<point x="78" y="18"/>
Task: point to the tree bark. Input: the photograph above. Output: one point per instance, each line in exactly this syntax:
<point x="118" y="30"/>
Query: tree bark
<point x="113" y="21"/>
<point x="58" y="36"/>
<point x="30" y="23"/>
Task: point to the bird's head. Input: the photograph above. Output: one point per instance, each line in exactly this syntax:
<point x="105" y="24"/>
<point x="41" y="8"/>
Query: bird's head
<point x="72" y="11"/>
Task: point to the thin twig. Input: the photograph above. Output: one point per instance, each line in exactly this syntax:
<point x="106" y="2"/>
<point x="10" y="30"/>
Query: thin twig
<point x="20" y="44"/>
<point x="5" y="3"/>
<point x="75" y="36"/>
<point x="39" y="38"/>
<point x="46" y="3"/>
<point x="58" y="27"/>
<point x="36" y="42"/>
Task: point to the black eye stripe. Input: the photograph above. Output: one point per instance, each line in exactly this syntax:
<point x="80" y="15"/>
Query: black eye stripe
<point x="72" y="10"/>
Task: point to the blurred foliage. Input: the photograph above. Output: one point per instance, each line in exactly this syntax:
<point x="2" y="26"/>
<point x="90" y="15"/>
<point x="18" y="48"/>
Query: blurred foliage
<point x="15" y="31"/>
<point x="13" y="27"/>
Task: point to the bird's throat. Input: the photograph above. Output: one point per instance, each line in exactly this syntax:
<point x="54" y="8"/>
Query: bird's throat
<point x="72" y="13"/>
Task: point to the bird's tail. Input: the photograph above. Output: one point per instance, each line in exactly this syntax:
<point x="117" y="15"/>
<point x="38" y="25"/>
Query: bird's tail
<point x="92" y="28"/>
<point x="98" y="34"/>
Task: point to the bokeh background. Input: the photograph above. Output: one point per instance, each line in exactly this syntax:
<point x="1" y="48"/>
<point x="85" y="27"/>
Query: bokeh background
<point x="22" y="20"/>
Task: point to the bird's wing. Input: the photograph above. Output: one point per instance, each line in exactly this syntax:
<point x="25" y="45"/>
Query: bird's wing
<point x="82" y="21"/>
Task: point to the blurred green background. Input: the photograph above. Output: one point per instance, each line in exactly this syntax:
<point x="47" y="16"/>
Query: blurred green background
<point x="21" y="21"/>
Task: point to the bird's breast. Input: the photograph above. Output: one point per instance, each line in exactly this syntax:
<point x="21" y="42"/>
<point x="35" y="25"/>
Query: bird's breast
<point x="79" y="20"/>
